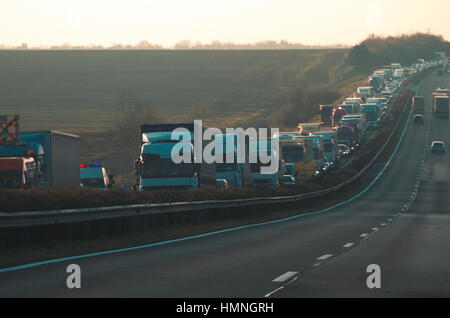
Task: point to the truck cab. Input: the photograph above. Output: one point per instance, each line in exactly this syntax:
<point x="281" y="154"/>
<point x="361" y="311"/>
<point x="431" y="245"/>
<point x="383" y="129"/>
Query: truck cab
<point x="237" y="174"/>
<point x="155" y="169"/>
<point x="305" y="152"/>
<point x="18" y="173"/>
<point x="94" y="176"/>
<point x="329" y="146"/>
<point x="260" y="179"/>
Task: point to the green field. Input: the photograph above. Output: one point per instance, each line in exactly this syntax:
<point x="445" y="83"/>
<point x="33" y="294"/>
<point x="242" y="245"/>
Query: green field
<point x="77" y="91"/>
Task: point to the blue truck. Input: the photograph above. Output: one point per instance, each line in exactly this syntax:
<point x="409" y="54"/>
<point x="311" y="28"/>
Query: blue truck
<point x="260" y="179"/>
<point x="52" y="157"/>
<point x="155" y="168"/>
<point x="237" y="174"/>
<point x="372" y="112"/>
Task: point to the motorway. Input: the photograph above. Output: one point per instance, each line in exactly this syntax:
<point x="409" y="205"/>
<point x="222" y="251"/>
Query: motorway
<point x="402" y="224"/>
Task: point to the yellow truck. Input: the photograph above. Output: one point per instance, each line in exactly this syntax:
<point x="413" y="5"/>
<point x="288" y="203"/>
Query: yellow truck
<point x="304" y="152"/>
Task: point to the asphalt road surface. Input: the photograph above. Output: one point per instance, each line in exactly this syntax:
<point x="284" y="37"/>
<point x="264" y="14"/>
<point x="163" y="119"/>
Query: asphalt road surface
<point x="316" y="255"/>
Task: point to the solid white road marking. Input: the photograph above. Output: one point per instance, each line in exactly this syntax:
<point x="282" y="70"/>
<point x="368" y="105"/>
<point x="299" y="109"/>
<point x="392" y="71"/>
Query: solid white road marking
<point x="273" y="292"/>
<point x="324" y="257"/>
<point x="284" y="277"/>
<point x="364" y="235"/>
<point x="348" y="245"/>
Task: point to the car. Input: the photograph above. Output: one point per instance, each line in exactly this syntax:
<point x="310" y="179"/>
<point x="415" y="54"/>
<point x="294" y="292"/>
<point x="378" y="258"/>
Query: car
<point x="438" y="147"/>
<point x="344" y="150"/>
<point x="95" y="176"/>
<point x="418" y="119"/>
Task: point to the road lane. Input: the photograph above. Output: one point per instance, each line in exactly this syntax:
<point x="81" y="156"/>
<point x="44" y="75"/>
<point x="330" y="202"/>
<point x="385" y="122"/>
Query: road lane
<point x="413" y="252"/>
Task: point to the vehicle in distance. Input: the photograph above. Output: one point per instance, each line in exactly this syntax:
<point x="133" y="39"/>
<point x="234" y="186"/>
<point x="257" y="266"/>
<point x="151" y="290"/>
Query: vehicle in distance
<point x="94" y="176"/>
<point x="418" y="119"/>
<point x="344" y="150"/>
<point x="438" y="147"/>
<point x="419" y="104"/>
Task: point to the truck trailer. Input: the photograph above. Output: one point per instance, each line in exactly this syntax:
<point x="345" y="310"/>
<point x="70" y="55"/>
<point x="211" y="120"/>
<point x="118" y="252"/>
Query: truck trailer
<point x="43" y="158"/>
<point x="441" y="106"/>
<point x="418" y="104"/>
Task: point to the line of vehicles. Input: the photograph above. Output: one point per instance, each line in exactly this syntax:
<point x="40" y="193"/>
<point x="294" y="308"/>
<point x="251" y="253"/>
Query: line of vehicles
<point x="311" y="151"/>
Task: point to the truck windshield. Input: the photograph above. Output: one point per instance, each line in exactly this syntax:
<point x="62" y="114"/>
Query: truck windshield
<point x="154" y="167"/>
<point x="10" y="179"/>
<point x="293" y="153"/>
<point x="223" y="167"/>
<point x="93" y="183"/>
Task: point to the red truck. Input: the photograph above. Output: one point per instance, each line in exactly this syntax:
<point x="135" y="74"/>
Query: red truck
<point x="338" y="113"/>
<point x="18" y="173"/>
<point x="326" y="113"/>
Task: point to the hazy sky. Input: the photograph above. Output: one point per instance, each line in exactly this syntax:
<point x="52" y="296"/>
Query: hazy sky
<point x="50" y="22"/>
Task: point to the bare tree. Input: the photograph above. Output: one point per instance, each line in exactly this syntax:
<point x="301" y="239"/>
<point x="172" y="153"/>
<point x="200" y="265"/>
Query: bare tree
<point x="132" y="111"/>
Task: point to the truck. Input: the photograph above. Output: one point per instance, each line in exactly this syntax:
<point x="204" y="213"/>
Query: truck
<point x="155" y="169"/>
<point x="350" y="108"/>
<point x="355" y="102"/>
<point x="376" y="81"/>
<point x="302" y="153"/>
<point x="326" y="112"/>
<point x="236" y="173"/>
<point x="398" y="74"/>
<point x="329" y="145"/>
<point x="315" y="160"/>
<point x="38" y="158"/>
<point x="359" y="124"/>
<point x="364" y="92"/>
<point x="258" y="178"/>
<point x="418" y="104"/>
<point x="372" y="114"/>
<point x="441" y="106"/>
<point x="18" y="173"/>
<point x="306" y="129"/>
<point x="338" y="113"/>
<point x="346" y="135"/>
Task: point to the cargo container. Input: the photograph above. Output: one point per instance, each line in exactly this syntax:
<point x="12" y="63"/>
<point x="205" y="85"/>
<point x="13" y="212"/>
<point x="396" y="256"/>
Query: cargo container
<point x="441" y="106"/>
<point x="326" y="113"/>
<point x="418" y="104"/>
